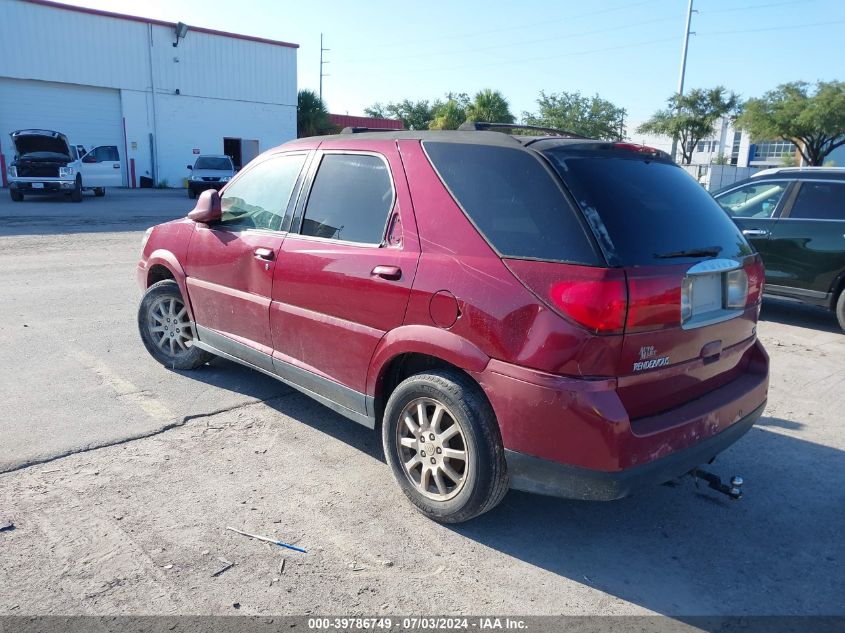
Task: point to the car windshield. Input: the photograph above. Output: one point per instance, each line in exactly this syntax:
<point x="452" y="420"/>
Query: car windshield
<point x="646" y="211"/>
<point x="213" y="162"/>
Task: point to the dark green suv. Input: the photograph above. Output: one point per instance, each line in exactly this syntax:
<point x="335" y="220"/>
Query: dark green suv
<point x="795" y="218"/>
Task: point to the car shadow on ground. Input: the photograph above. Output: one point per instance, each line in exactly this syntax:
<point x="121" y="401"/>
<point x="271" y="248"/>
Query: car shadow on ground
<point x="684" y="550"/>
<point x="799" y="315"/>
<point x="231" y="376"/>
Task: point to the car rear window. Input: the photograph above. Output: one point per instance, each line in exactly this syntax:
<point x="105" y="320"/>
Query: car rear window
<point x="644" y="209"/>
<point x="514" y="201"/>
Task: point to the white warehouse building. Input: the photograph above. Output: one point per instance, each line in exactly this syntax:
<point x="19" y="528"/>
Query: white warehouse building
<point x="160" y="92"/>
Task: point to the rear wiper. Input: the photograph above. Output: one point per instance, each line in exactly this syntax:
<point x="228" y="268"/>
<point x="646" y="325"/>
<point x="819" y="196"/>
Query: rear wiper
<point x="707" y="251"/>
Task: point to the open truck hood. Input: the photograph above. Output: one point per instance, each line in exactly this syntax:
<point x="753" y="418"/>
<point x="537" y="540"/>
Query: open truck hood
<point x="41" y="144"/>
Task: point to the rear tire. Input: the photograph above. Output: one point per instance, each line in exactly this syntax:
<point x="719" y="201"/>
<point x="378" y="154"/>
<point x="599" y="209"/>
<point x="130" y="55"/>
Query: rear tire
<point x="99" y="191"/>
<point x="76" y="194"/>
<point x="840" y="309"/>
<point x="442" y="442"/>
<point x="17" y="196"/>
<point x="166" y="330"/>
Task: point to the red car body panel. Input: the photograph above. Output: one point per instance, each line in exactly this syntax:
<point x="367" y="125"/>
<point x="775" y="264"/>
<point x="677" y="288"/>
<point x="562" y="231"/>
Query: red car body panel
<point x="559" y="392"/>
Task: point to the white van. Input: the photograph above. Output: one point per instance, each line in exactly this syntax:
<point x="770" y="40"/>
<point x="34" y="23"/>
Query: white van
<point x="46" y="163"/>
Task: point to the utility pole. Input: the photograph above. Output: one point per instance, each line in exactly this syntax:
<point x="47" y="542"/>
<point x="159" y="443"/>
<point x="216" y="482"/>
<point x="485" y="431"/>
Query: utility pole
<point x="323" y="63"/>
<point x="683" y="68"/>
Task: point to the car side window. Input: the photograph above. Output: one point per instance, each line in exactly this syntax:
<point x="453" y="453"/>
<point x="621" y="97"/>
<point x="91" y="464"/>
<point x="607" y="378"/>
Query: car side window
<point x="819" y="201"/>
<point x="350" y="199"/>
<point x="754" y="200"/>
<point x="259" y="198"/>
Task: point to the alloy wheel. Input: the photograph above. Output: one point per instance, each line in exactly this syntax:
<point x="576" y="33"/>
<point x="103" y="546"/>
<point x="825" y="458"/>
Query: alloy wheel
<point x="169" y="326"/>
<point x="432" y="449"/>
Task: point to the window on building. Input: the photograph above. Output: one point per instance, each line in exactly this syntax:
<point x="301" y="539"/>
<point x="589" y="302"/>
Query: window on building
<point x="774" y="150"/>
<point x="350" y="199"/>
<point x="735" y="148"/>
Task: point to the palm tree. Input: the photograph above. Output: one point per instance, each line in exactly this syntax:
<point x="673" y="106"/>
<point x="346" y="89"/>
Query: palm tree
<point x="489" y="105"/>
<point x="312" y="118"/>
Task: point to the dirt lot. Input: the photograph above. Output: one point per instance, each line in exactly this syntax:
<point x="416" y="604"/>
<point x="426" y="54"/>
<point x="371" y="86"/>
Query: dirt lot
<point x="139" y="526"/>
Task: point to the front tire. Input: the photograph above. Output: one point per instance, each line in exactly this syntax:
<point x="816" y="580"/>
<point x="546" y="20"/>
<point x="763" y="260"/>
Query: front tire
<point x="166" y="330"/>
<point x="840" y="309"/>
<point x="76" y="194"/>
<point x="442" y="442"/>
<point x="192" y="194"/>
<point x="17" y="196"/>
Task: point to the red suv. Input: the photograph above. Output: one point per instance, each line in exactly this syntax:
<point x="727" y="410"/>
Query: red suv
<point x="548" y="313"/>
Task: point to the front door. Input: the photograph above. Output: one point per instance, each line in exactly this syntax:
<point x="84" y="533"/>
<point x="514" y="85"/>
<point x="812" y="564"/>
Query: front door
<point x="755" y="207"/>
<point x="344" y="273"/>
<point x="230" y="263"/>
<point x="101" y="167"/>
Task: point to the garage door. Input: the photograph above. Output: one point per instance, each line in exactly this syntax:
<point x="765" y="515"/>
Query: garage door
<point x="87" y="116"/>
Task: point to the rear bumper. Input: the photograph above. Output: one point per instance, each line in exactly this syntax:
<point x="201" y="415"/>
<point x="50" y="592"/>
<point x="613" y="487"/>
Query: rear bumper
<point x="575" y="438"/>
<point x="545" y="477"/>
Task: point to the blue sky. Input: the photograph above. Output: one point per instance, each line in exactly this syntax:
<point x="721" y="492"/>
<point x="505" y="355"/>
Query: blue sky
<point x="627" y="51"/>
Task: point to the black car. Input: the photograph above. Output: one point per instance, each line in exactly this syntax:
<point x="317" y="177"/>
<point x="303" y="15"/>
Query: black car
<point x="795" y="218"/>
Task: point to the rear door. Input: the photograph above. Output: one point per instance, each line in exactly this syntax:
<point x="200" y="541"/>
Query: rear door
<point x="230" y="263"/>
<point x="102" y="167"/>
<point x="344" y="273"/>
<point x="807" y="245"/>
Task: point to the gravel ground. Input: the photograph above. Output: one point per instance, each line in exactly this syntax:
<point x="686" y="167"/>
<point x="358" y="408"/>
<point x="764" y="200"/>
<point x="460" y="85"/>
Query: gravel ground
<point x="138" y="526"/>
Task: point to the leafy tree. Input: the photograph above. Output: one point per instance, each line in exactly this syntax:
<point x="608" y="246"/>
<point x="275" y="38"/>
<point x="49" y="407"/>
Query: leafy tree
<point x="489" y="105"/>
<point x="312" y="118"/>
<point x="692" y="117"/>
<point x="590" y="116"/>
<point x="452" y="113"/>
<point x="814" y="122"/>
<point x="415" y="115"/>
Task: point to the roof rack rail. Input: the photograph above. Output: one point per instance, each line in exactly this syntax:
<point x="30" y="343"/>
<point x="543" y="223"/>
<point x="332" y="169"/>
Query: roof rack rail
<point x="361" y="130"/>
<point x="469" y="126"/>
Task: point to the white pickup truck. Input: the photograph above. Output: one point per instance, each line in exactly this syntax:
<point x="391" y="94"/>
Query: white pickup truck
<point x="46" y="163"/>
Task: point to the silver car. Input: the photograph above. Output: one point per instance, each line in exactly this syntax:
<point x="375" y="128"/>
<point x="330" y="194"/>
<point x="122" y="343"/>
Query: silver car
<point x="210" y="171"/>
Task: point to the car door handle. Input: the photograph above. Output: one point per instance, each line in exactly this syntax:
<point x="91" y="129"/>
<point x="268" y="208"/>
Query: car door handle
<point x="393" y="273"/>
<point x="755" y="232"/>
<point x="116" y="165"/>
<point x="266" y="254"/>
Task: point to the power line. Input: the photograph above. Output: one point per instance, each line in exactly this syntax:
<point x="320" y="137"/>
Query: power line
<point x="464" y="36"/>
<point x="514" y="44"/>
<point x="773" y="28"/>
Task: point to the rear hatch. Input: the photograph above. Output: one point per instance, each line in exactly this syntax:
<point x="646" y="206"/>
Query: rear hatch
<point x="693" y="282"/>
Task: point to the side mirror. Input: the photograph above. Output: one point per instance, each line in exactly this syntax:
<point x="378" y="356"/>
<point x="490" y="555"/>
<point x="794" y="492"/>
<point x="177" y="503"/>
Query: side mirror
<point x="208" y="207"/>
<point x="191" y="167"/>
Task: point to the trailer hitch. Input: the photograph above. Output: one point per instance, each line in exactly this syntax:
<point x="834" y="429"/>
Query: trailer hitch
<point x="734" y="490"/>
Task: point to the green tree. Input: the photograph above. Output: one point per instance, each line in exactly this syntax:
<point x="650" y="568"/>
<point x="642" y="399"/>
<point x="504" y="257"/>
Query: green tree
<point x="692" y="117"/>
<point x="589" y="116"/>
<point x="489" y="105"/>
<point x="451" y="113"/>
<point x="814" y="121"/>
<point x="415" y="115"/>
<point x="312" y="118"/>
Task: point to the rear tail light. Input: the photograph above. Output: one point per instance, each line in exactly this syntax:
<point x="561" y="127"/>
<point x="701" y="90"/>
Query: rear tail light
<point x="756" y="276"/>
<point x="597" y="304"/>
<point x="655" y="302"/>
<point x="633" y="147"/>
<point x="736" y="289"/>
